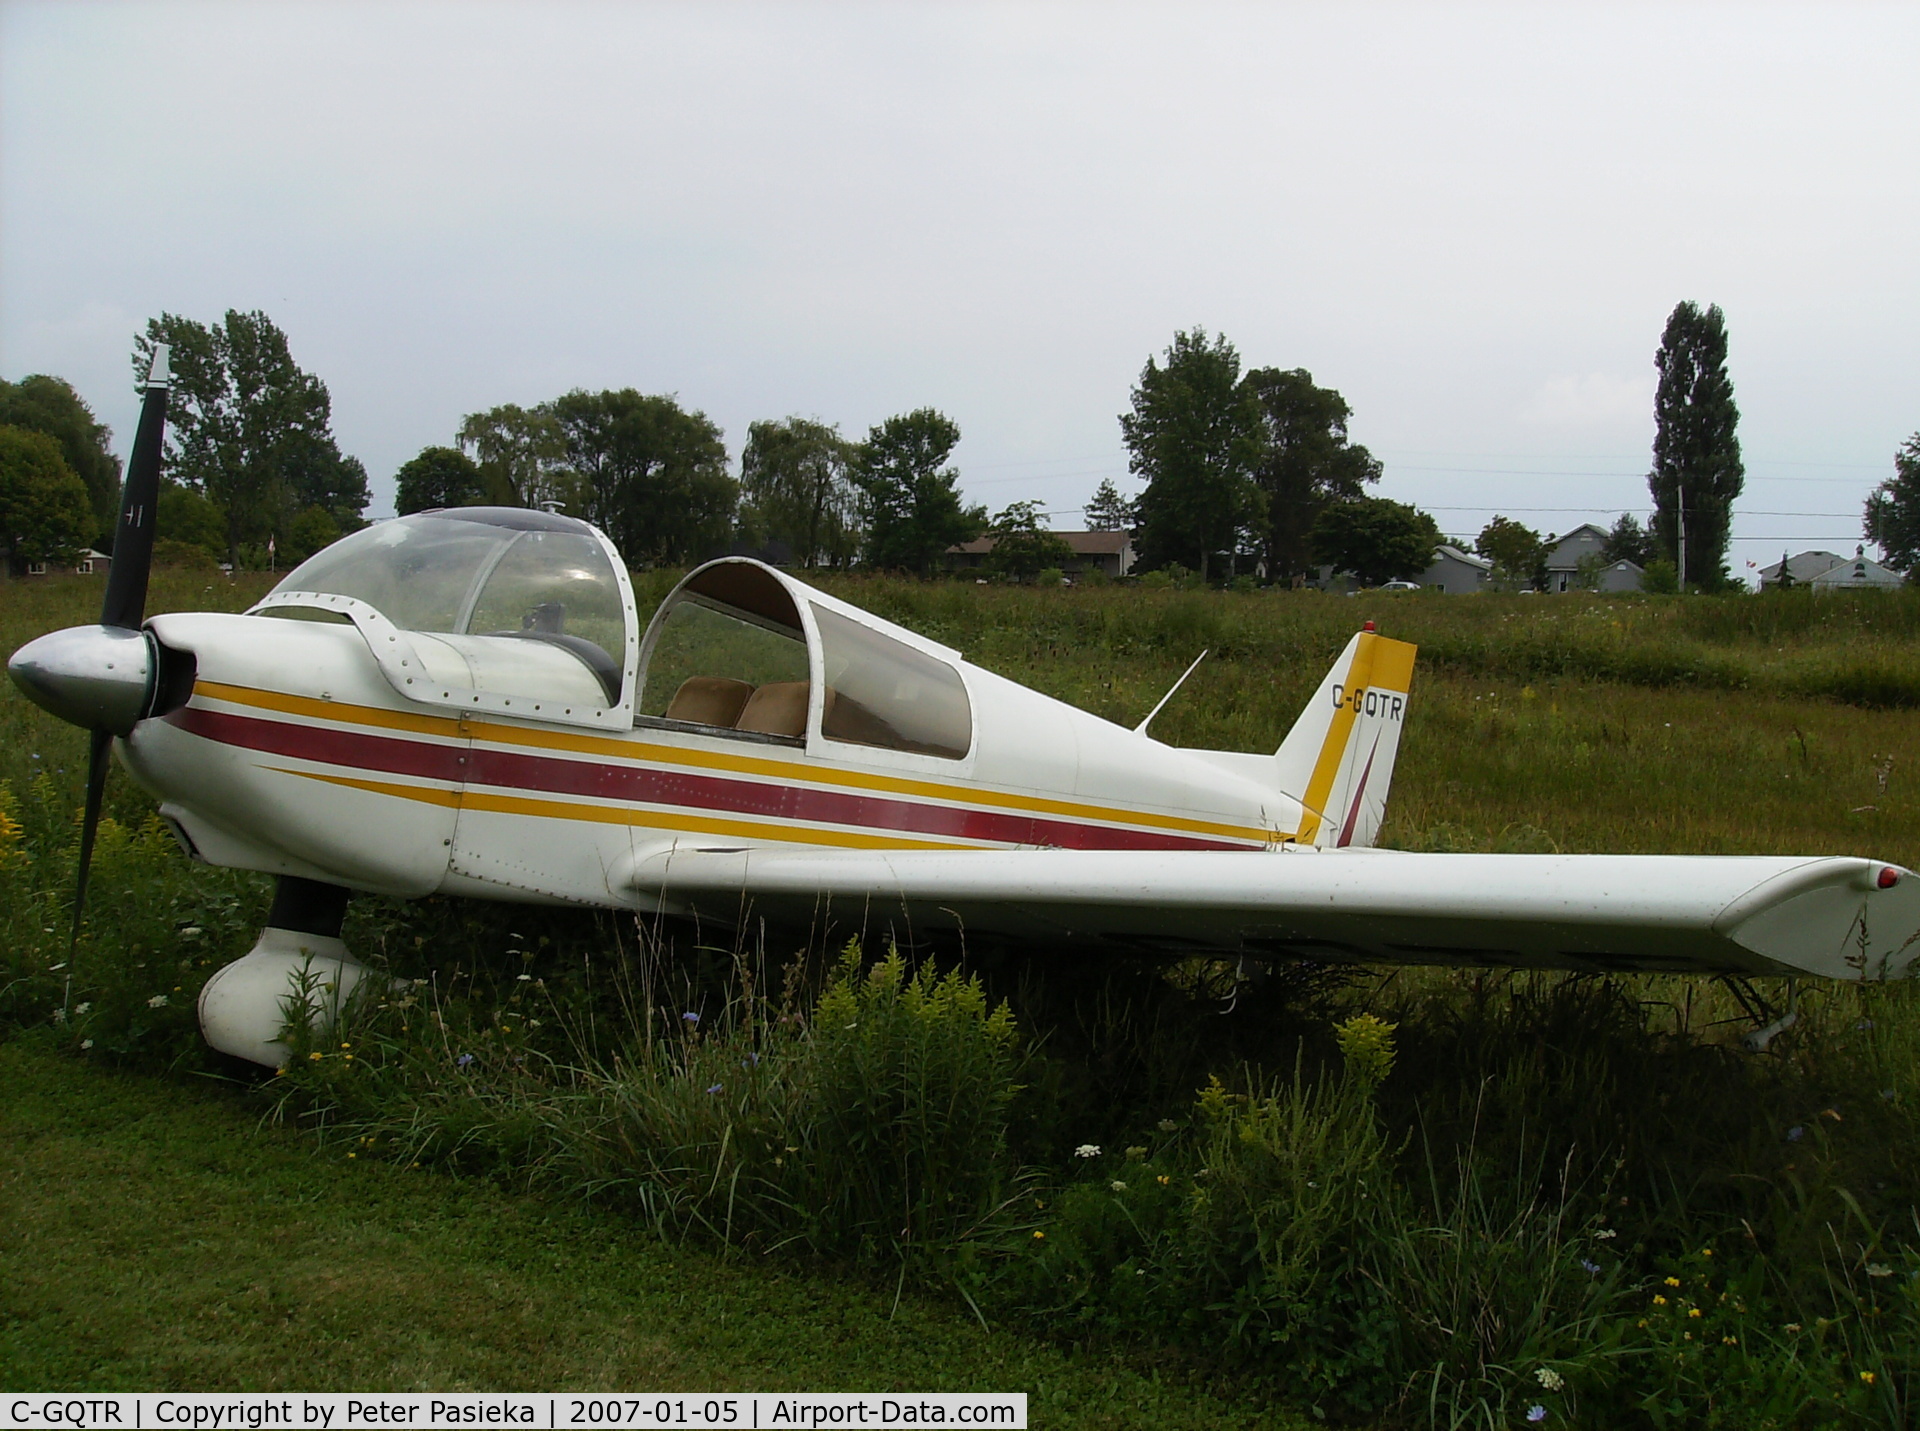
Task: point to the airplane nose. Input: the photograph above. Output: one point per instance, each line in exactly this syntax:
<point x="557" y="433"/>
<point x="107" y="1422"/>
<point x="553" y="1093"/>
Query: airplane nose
<point x="97" y="677"/>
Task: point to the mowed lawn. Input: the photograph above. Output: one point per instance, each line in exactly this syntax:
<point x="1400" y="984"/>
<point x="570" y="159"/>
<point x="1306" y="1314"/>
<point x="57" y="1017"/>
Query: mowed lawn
<point x="158" y="1237"/>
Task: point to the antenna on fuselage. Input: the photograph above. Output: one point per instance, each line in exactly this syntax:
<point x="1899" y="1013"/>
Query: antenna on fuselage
<point x="1141" y="729"/>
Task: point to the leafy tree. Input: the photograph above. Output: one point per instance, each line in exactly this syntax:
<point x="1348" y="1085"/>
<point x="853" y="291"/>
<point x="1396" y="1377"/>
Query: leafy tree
<point x="911" y="498"/>
<point x="312" y="529"/>
<point x="438" y="477"/>
<point x="44" y="512"/>
<point x="1195" y="436"/>
<point x="248" y="429"/>
<point x="1376" y="539"/>
<point x="50" y="405"/>
<point x="1306" y="462"/>
<point x="1628" y="541"/>
<point x="1697" y="471"/>
<point x="188" y="517"/>
<point x="1518" y="554"/>
<point x="1108" y="511"/>
<point x="796" y="479"/>
<point x="521" y="453"/>
<point x="1023" y="546"/>
<point x="1893" y="511"/>
<point x="648" y="473"/>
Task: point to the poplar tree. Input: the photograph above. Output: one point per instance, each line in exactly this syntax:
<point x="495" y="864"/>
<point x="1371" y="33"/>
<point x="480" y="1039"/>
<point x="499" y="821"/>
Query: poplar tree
<point x="1696" y="452"/>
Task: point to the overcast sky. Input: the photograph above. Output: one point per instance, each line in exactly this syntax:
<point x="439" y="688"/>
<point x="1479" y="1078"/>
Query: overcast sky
<point x="1471" y="221"/>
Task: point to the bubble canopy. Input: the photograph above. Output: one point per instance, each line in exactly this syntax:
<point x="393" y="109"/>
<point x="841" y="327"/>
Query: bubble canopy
<point x="505" y="606"/>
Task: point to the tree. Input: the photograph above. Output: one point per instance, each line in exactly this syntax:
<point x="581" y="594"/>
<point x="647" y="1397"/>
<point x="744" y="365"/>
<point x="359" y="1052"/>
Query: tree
<point x="44" y="512"/>
<point x="50" y="405"/>
<point x="438" y="477"/>
<point x="911" y="499"/>
<point x="1376" y="539"/>
<point x="796" y="480"/>
<point x="1628" y="541"/>
<point x="185" y="516"/>
<point x="1306" y="463"/>
<point x="1696" y="453"/>
<point x="1518" y="554"/>
<point x="1893" y="511"/>
<point x="1195" y="436"/>
<point x="521" y="453"/>
<point x="1023" y="546"/>
<point x="648" y="473"/>
<point x="1108" y="511"/>
<point x="248" y="429"/>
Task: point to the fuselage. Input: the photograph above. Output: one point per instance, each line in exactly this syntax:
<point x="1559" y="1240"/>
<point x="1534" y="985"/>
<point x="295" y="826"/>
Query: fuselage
<point x="299" y="754"/>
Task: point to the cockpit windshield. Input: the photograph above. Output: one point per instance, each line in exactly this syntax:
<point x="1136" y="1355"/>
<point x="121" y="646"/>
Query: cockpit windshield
<point x="515" y="600"/>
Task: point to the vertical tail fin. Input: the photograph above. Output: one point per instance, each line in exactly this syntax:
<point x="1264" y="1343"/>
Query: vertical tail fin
<point x="1338" y="758"/>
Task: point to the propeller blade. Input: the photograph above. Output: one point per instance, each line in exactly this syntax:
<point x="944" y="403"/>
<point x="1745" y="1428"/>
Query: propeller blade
<point x="125" y="604"/>
<point x="98" y="756"/>
<point x="126" y="599"/>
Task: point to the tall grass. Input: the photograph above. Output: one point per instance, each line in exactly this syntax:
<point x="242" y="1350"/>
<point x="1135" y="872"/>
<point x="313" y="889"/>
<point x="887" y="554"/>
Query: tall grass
<point x="1424" y="1198"/>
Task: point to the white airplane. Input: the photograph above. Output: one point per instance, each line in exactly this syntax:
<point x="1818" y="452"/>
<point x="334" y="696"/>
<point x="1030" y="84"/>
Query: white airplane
<point x="464" y="702"/>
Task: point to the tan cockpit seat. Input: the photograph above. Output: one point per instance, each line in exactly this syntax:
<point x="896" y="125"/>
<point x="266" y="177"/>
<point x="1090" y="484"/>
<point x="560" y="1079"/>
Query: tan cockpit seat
<point x="778" y="708"/>
<point x="714" y="700"/>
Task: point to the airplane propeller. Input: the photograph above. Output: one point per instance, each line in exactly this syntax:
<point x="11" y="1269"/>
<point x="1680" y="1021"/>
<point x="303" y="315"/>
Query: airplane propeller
<point x="105" y="678"/>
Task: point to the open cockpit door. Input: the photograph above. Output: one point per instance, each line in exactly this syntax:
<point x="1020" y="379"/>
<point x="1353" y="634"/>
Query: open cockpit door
<point x="741" y="650"/>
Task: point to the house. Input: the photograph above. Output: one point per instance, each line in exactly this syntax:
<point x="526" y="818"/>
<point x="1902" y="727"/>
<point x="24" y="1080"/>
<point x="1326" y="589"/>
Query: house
<point x="1800" y="570"/>
<point x="1824" y="571"/>
<point x="1622" y="575"/>
<point x="1585" y="543"/>
<point x="93" y="563"/>
<point x="1108" y="552"/>
<point x="1456" y="572"/>
<point x="1856" y="575"/>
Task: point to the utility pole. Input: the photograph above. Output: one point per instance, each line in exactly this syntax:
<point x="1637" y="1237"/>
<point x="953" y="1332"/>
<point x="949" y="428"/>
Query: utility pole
<point x="1680" y="511"/>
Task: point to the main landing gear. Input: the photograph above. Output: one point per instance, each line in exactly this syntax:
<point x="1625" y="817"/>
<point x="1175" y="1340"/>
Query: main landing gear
<point x="298" y="969"/>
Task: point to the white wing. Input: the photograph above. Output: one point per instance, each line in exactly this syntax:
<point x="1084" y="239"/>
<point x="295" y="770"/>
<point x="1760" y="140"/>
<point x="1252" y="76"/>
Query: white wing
<point x="1742" y="915"/>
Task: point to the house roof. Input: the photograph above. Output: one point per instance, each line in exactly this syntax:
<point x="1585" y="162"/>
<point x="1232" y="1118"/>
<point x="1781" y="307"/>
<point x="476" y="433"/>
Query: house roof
<point x="1803" y="567"/>
<point x="1080" y="543"/>
<point x="1446" y="551"/>
<point x="1586" y="529"/>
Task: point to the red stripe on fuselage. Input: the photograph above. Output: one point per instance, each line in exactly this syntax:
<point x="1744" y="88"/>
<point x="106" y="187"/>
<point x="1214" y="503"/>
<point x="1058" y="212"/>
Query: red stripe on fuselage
<point x="651" y="785"/>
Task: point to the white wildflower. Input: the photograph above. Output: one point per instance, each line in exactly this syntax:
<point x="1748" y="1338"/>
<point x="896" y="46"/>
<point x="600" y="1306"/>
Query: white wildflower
<point x="1087" y="1150"/>
<point x="158" y="1001"/>
<point x="1879" y="1269"/>
<point x="1117" y="1186"/>
<point x="1550" y="1379"/>
<point x="83" y="1008"/>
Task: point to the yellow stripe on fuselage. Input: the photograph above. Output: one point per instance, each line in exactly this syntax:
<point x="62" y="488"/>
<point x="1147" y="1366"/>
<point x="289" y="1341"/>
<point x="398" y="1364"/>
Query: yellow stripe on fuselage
<point x="628" y="815"/>
<point x="637" y="750"/>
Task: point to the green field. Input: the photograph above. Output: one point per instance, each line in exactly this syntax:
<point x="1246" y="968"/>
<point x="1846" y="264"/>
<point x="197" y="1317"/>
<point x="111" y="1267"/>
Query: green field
<point x="1401" y="1237"/>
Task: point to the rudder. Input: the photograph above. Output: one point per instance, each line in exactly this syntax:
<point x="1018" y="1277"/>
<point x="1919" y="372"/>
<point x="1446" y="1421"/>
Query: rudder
<point x="1338" y="758"/>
